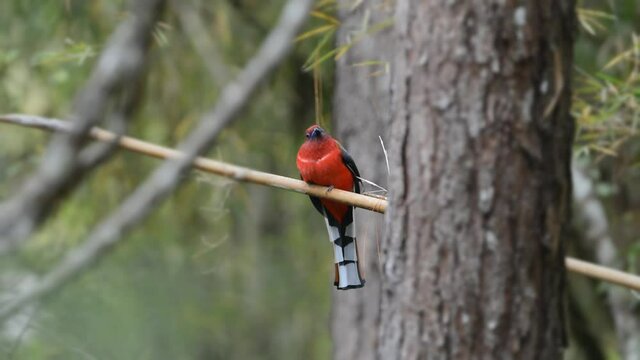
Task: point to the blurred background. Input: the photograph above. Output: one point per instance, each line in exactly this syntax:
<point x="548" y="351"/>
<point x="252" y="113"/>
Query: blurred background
<point x="225" y="270"/>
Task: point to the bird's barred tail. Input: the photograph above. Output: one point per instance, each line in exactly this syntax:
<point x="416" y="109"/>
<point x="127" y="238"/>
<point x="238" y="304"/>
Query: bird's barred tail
<point x="345" y="250"/>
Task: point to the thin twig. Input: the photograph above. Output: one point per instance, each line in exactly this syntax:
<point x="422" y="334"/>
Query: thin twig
<point x="380" y="188"/>
<point x="372" y="203"/>
<point x="169" y="175"/>
<point x="386" y="158"/>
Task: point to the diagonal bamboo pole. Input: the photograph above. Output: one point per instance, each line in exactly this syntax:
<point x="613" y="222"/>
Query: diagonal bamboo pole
<point x="603" y="273"/>
<point x="235" y="172"/>
<point x="239" y="173"/>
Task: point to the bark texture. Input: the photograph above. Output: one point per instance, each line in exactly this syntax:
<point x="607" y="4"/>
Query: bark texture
<point x="361" y="113"/>
<point x="480" y="181"/>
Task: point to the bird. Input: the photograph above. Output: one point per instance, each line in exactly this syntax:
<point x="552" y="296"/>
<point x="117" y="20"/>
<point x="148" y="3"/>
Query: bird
<point x="321" y="160"/>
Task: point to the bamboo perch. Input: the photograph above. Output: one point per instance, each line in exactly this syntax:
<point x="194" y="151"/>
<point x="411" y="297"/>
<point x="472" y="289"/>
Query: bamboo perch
<point x="240" y="173"/>
<point x="235" y="172"/>
<point x="603" y="273"/>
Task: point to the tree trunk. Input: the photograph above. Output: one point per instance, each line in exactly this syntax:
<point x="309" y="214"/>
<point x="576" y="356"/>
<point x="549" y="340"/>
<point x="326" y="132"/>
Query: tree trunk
<point x="361" y="113"/>
<point x="480" y="182"/>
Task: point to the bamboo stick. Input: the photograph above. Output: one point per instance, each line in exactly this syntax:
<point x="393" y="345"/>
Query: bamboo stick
<point x="239" y="173"/>
<point x="244" y="174"/>
<point x="603" y="273"/>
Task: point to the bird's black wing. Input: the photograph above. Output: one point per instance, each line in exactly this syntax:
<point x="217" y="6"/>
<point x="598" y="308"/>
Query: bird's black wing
<point x="315" y="201"/>
<point x="316" y="204"/>
<point x="351" y="165"/>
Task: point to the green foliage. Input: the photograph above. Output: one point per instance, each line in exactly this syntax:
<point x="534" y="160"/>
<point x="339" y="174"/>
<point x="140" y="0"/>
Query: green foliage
<point x="607" y="96"/>
<point x="224" y="270"/>
<point x="606" y="105"/>
<point x="326" y="26"/>
<point x="220" y="270"/>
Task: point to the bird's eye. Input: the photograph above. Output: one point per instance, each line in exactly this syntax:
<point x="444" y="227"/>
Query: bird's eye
<point x="307" y="135"/>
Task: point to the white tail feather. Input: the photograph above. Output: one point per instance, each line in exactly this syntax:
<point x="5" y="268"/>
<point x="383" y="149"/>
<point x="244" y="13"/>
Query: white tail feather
<point x="349" y="277"/>
<point x="350" y="251"/>
<point x="334" y="233"/>
<point x="345" y="257"/>
<point x="347" y="260"/>
<point x="351" y="229"/>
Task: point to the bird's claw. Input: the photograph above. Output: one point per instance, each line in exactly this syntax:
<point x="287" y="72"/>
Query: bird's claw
<point x="330" y="188"/>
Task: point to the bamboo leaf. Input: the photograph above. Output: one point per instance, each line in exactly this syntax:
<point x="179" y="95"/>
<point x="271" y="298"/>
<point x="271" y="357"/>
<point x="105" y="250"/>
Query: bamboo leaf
<point x="314" y="54"/>
<point x="618" y="58"/>
<point x="314" y="32"/>
<point x="341" y="51"/>
<point x="324" y="16"/>
<point x="369" y="63"/>
<point x="321" y="59"/>
<point x="603" y="150"/>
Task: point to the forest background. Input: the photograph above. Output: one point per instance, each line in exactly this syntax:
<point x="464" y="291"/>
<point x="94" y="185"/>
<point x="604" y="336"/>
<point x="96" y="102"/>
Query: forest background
<point x="227" y="270"/>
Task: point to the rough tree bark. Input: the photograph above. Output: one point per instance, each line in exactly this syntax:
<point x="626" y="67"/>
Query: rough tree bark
<point x="480" y="181"/>
<point x="361" y="112"/>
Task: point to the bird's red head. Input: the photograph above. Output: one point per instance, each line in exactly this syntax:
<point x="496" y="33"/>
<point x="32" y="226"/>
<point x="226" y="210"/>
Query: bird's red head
<point x="315" y="132"/>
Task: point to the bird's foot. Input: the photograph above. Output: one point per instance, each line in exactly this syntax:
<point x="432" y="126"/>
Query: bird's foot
<point x="330" y="188"/>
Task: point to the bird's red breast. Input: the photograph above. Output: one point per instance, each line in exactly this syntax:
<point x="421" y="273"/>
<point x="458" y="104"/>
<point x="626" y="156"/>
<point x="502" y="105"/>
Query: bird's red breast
<point x="320" y="162"/>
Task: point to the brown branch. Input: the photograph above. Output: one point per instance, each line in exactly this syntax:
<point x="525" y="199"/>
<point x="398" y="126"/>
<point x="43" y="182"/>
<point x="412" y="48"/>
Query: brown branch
<point x="603" y="273"/>
<point x="239" y="173"/>
<point x="169" y="175"/>
<point x="376" y="204"/>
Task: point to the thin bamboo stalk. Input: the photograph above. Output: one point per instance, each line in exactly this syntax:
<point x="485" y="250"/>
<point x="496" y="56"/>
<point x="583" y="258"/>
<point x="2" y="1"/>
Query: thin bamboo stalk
<point x="244" y="174"/>
<point x="603" y="273"/>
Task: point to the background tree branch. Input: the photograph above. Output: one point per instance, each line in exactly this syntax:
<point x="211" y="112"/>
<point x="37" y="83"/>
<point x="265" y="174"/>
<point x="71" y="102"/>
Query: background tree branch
<point x="203" y="45"/>
<point x="169" y="175"/>
<point x="114" y="81"/>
